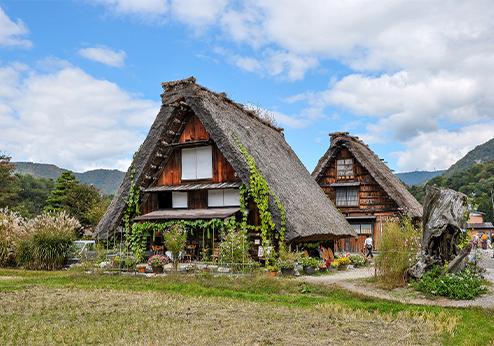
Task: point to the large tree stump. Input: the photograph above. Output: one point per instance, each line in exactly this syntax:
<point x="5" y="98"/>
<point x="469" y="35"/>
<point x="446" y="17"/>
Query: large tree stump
<point x="444" y="217"/>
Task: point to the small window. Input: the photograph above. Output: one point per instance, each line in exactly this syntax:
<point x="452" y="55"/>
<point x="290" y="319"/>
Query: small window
<point x="347" y="196"/>
<point x="365" y="228"/>
<point x="179" y="199"/>
<point x="197" y="163"/>
<point x="344" y="168"/>
<point x="224" y="198"/>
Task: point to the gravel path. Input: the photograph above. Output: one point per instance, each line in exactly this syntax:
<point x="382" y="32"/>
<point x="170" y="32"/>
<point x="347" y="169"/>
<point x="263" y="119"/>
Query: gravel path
<point x="349" y="280"/>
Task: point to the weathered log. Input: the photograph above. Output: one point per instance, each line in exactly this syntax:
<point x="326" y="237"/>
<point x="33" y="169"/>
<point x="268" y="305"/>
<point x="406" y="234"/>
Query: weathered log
<point x="444" y="217"/>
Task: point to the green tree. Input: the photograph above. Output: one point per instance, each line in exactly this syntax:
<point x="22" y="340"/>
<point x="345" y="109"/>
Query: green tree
<point x="8" y="188"/>
<point x="32" y="193"/>
<point x="57" y="199"/>
<point x="80" y="201"/>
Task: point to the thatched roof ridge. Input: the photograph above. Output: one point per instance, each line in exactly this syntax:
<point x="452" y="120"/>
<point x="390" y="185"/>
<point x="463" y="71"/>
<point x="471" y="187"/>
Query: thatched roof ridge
<point x="376" y="167"/>
<point x="309" y="213"/>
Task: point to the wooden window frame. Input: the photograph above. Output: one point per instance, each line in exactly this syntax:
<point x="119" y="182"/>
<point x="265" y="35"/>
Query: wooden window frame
<point x="346" y="201"/>
<point x="344" y="168"/>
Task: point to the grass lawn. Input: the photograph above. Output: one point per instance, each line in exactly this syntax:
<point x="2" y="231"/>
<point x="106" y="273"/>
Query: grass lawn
<point x="76" y="308"/>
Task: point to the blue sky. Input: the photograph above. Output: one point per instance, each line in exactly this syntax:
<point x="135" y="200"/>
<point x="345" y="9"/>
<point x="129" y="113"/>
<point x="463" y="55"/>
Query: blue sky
<point x="81" y="79"/>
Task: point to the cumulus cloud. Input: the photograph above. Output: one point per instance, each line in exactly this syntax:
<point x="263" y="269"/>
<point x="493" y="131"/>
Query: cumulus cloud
<point x="441" y="148"/>
<point x="104" y="55"/>
<point x="142" y="8"/>
<point x="13" y="33"/>
<point x="70" y="118"/>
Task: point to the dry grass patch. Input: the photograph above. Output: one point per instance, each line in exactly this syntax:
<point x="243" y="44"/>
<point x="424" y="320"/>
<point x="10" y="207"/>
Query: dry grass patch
<point x="74" y="316"/>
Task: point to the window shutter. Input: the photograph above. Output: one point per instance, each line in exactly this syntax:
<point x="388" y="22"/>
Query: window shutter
<point x="189" y="164"/>
<point x="215" y="198"/>
<point x="179" y="199"/>
<point x="204" y="162"/>
<point x="231" y="197"/>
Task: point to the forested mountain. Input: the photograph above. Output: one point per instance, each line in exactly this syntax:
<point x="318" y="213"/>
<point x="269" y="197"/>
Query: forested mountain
<point x="106" y="180"/>
<point x="418" y="177"/>
<point x="477" y="182"/>
<point x="480" y="154"/>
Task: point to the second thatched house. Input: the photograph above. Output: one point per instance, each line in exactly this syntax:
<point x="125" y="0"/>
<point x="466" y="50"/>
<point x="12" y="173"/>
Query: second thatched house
<point x="363" y="188"/>
<point x="201" y="151"/>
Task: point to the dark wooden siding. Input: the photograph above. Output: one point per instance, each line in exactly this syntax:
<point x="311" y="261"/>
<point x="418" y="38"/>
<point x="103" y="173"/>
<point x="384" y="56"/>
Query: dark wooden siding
<point x="372" y="197"/>
<point x="195" y="131"/>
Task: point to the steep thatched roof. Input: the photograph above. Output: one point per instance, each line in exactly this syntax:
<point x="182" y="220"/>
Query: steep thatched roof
<point x="309" y="213"/>
<point x="376" y="167"/>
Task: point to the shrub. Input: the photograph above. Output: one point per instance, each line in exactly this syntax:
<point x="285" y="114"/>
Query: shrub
<point x="398" y="251"/>
<point x="175" y="240"/>
<point x="234" y="248"/>
<point x="47" y="243"/>
<point x="12" y="227"/>
<point x="466" y="284"/>
<point x="310" y="262"/>
<point x="357" y="260"/>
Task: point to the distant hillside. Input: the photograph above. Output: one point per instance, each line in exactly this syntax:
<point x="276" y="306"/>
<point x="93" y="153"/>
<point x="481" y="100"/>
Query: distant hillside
<point x="418" y="177"/>
<point x="480" y="154"/>
<point x="106" y="180"/>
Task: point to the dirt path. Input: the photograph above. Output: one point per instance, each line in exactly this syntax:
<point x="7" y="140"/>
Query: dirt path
<point x="352" y="281"/>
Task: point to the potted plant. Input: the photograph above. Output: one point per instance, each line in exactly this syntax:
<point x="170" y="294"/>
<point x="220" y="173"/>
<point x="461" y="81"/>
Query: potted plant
<point x="272" y="270"/>
<point x="157" y="262"/>
<point x="287" y="267"/>
<point x="343" y="263"/>
<point x="310" y="264"/>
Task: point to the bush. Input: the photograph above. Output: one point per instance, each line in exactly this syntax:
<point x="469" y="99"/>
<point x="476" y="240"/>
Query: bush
<point x="310" y="262"/>
<point x="47" y="243"/>
<point x="464" y="285"/>
<point x="357" y="260"/>
<point x="234" y="248"/>
<point x="12" y="227"/>
<point x="398" y="251"/>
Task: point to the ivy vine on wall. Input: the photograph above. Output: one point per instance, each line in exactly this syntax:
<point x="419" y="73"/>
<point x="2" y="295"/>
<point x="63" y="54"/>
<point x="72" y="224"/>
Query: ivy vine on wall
<point x="260" y="192"/>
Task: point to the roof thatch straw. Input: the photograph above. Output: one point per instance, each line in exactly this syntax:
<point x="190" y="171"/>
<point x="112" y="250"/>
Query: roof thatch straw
<point x="376" y="167"/>
<point x="309" y="213"/>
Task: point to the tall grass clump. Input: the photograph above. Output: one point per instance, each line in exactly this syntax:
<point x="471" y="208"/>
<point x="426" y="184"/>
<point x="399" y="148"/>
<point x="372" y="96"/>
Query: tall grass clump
<point x="398" y="251"/>
<point x="48" y="242"/>
<point x="12" y="227"/>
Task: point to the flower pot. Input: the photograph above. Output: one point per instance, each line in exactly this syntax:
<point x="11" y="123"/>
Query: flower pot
<point x="287" y="271"/>
<point x="309" y="270"/>
<point x="272" y="274"/>
<point x="158" y="269"/>
<point x="342" y="267"/>
<point x="141" y="269"/>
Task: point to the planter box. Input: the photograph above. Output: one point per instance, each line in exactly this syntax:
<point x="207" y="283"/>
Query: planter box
<point x="158" y="270"/>
<point x="309" y="270"/>
<point x="287" y="271"/>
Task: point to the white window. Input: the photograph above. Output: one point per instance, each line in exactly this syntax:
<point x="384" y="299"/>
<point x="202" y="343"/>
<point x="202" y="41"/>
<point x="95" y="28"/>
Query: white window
<point x="347" y="196"/>
<point x="179" y="199"/>
<point x="344" y="168"/>
<point x="224" y="198"/>
<point x="197" y="163"/>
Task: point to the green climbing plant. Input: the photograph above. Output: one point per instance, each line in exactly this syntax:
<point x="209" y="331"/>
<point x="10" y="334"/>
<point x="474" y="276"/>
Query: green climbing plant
<point x="135" y="238"/>
<point x="260" y="192"/>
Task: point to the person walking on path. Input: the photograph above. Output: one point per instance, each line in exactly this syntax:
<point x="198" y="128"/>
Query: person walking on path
<point x="368" y="247"/>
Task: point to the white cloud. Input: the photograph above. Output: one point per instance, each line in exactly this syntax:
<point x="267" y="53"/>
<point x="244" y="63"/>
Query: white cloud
<point x="104" y="55"/>
<point x="197" y="12"/>
<point x="70" y="118"/>
<point x="441" y="148"/>
<point x="143" y="8"/>
<point x="12" y="33"/>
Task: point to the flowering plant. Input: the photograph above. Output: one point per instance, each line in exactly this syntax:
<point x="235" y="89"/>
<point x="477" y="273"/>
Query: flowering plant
<point x="158" y="260"/>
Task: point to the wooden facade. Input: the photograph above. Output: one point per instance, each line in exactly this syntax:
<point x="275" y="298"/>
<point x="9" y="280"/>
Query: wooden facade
<point x="374" y="206"/>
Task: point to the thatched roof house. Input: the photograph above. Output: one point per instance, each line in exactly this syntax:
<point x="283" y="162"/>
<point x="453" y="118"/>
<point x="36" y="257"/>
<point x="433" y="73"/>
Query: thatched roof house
<point x="362" y="186"/>
<point x="309" y="214"/>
